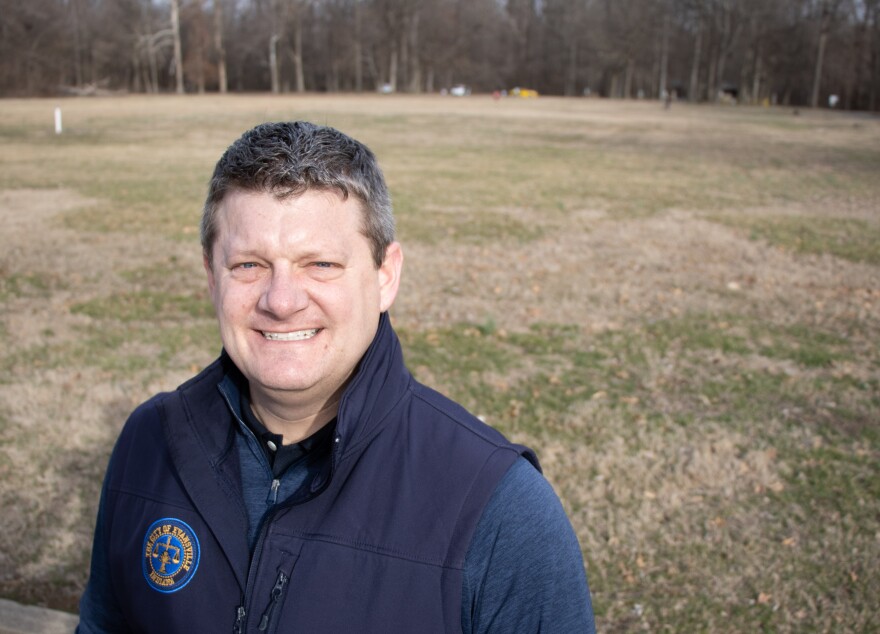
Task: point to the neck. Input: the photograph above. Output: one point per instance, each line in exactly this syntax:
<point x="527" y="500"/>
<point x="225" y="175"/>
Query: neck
<point x="294" y="422"/>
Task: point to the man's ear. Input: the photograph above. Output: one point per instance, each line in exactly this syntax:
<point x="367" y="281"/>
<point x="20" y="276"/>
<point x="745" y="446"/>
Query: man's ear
<point x="389" y="275"/>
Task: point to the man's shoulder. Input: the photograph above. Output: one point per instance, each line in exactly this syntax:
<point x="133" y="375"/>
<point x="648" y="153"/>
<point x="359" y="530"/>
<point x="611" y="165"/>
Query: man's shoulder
<point x="148" y="411"/>
<point x="198" y="397"/>
<point x="445" y="419"/>
<point x="448" y="417"/>
<point x="435" y="407"/>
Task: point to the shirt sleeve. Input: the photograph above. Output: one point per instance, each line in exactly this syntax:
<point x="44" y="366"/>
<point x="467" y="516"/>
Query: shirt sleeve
<point x="524" y="571"/>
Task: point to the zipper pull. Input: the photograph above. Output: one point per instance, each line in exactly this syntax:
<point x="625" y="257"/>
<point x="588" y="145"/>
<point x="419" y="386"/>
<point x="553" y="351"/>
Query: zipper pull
<point x="239" y="620"/>
<point x="277" y="590"/>
<point x="273" y="492"/>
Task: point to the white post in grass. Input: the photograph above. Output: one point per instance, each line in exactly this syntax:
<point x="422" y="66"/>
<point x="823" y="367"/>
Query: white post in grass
<point x="57" y="120"/>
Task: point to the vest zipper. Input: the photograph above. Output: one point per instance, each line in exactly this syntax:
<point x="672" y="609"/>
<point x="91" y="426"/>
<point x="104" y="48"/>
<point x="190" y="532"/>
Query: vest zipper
<point x="238" y="628"/>
<point x="277" y="591"/>
<point x="241" y="612"/>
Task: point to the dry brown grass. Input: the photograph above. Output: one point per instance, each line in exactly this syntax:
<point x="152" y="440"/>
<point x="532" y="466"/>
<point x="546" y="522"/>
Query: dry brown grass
<point x="679" y="310"/>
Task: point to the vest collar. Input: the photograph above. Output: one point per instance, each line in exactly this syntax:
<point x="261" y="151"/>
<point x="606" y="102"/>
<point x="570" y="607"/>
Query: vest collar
<point x="377" y="385"/>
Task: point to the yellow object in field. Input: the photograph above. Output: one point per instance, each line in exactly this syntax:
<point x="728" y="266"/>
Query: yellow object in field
<point x="523" y="92"/>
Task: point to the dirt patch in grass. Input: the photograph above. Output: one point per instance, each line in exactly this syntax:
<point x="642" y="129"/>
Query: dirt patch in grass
<point x="605" y="273"/>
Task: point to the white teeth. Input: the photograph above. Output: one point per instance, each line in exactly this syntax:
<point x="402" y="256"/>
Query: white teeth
<point x="299" y="335"/>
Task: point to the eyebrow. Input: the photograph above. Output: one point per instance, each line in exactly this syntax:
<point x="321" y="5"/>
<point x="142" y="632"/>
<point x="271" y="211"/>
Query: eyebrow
<point x="327" y="252"/>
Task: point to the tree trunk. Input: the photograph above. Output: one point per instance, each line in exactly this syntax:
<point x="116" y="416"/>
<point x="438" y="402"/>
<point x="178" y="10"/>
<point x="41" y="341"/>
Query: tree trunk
<point x="373" y="70"/>
<point x="756" y="78"/>
<point x="695" y="65"/>
<point x="415" y="72"/>
<point x="178" y="51"/>
<point x="221" y="48"/>
<point x="136" y="70"/>
<point x="711" y="89"/>
<point x="404" y="56"/>
<point x="200" y="42"/>
<point x="358" y="48"/>
<point x="298" y="70"/>
<point x="857" y="95"/>
<point x="392" y="69"/>
<point x="274" y="75"/>
<point x="151" y="76"/>
<point x="571" y="75"/>
<point x="744" y="96"/>
<point x="719" y="73"/>
<point x="200" y="69"/>
<point x="77" y="42"/>
<point x="153" y="63"/>
<point x="820" y="57"/>
<point x="664" y="58"/>
<point x="872" y="60"/>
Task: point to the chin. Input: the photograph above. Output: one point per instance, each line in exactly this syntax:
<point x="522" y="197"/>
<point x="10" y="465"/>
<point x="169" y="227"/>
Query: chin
<point x="285" y="384"/>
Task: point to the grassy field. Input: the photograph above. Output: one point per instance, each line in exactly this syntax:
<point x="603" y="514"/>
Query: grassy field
<point x="679" y="309"/>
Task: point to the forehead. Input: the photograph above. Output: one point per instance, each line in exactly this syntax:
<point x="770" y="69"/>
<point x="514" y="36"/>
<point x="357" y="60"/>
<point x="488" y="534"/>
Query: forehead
<point x="318" y="216"/>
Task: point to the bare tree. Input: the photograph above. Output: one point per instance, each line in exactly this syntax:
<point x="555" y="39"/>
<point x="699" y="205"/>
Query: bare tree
<point x="219" y="47"/>
<point x="663" y="88"/>
<point x="873" y="52"/>
<point x="299" y="7"/>
<point x="824" y="22"/>
<point x="697" y="21"/>
<point x="728" y="26"/>
<point x="178" y="50"/>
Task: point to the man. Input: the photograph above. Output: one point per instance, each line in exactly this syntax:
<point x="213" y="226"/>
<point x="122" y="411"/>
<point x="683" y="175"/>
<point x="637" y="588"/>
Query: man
<point x="304" y="482"/>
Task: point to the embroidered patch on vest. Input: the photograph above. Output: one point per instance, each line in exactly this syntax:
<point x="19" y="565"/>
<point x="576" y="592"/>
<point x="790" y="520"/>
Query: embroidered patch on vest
<point x="170" y="555"/>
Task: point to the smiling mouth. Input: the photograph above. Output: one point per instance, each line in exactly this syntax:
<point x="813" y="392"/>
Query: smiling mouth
<point x="298" y="335"/>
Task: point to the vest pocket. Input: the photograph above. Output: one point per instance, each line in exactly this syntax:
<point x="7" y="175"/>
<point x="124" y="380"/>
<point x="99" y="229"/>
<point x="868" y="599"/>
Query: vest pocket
<point x="270" y="617"/>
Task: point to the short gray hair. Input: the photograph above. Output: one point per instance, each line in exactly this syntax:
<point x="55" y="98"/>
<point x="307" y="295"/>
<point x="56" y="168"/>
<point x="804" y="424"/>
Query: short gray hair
<point x="287" y="159"/>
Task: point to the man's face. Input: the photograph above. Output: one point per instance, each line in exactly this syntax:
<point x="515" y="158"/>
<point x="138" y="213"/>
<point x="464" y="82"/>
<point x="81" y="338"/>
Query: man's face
<point x="296" y="290"/>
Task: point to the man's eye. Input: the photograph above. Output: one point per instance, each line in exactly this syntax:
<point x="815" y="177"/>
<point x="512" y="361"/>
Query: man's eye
<point x="324" y="265"/>
<point x="247" y="265"/>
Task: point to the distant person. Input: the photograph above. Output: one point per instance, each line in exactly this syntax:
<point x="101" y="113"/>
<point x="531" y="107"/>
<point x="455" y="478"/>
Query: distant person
<point x="304" y="481"/>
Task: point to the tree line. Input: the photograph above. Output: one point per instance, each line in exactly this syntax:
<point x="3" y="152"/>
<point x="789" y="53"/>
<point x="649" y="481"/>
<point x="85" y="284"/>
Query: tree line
<point x="792" y="52"/>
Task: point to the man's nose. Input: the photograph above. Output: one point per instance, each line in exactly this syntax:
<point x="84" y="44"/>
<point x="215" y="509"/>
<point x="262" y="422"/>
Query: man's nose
<point x="285" y="293"/>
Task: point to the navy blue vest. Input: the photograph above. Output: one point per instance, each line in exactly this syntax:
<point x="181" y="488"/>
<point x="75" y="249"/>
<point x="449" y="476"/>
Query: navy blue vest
<point x="377" y="546"/>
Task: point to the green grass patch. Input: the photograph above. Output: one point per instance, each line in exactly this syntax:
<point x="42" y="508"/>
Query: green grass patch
<point x="27" y="284"/>
<point x="529" y="380"/>
<point x="740" y="335"/>
<point x="852" y="239"/>
<point x="486" y="227"/>
<point x="123" y="348"/>
<point x="835" y="482"/>
<point x="146" y="305"/>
